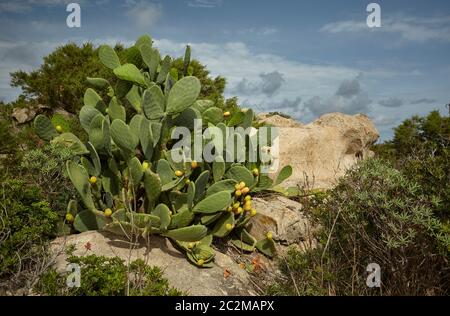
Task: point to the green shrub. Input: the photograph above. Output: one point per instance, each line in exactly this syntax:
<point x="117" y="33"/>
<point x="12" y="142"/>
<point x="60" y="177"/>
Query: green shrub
<point x="421" y="151"/>
<point x="45" y="167"/>
<point x="101" y="276"/>
<point x="375" y="215"/>
<point x="27" y="222"/>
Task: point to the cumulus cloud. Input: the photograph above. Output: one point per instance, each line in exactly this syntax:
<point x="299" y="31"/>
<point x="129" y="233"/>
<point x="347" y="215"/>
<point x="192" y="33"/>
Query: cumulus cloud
<point x="271" y="82"/>
<point x="349" y="98"/>
<point x="349" y="88"/>
<point x="143" y="14"/>
<point x="357" y="104"/>
<point x="391" y="102"/>
<point x="268" y="84"/>
<point x="410" y="28"/>
<point x="293" y="104"/>
<point x="245" y="87"/>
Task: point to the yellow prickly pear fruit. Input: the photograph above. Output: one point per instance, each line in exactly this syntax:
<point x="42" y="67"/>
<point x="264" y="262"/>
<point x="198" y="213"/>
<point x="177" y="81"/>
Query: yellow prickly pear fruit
<point x="230" y="209"/>
<point x="145" y="165"/>
<point x="187" y="181"/>
<point x="93" y="180"/>
<point x="237" y="186"/>
<point x="240" y="210"/>
<point x="179" y="173"/>
<point x="59" y="129"/>
<point x="191" y="245"/>
<point x="255" y="172"/>
<point x="194" y="164"/>
<point x="241" y="185"/>
<point x="107" y="212"/>
<point x="238" y="193"/>
<point x="269" y="236"/>
<point x="236" y="205"/>
<point x="69" y="217"/>
<point x="226" y="114"/>
<point x="248" y="198"/>
<point x="229" y="227"/>
<point x="247" y="206"/>
<point x="253" y="212"/>
<point x="245" y="190"/>
<point x="200" y="262"/>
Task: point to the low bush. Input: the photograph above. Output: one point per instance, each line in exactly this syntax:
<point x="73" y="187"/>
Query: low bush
<point x="26" y="224"/>
<point x="375" y="215"/>
<point x="101" y="276"/>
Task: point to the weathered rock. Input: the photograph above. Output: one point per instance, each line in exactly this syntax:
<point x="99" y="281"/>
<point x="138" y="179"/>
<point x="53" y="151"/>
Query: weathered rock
<point x="160" y="252"/>
<point x="283" y="217"/>
<point x="321" y="152"/>
<point x="278" y="120"/>
<point x="23" y="115"/>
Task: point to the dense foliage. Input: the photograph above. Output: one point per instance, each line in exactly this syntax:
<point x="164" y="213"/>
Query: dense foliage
<point x="54" y="86"/>
<point x="393" y="211"/>
<point x="420" y="149"/>
<point x="26" y="222"/>
<point x="103" y="276"/>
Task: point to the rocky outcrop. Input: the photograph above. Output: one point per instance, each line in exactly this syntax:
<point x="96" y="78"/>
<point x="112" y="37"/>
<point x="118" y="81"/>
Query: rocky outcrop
<point x="321" y="152"/>
<point x="228" y="276"/>
<point x="225" y="278"/>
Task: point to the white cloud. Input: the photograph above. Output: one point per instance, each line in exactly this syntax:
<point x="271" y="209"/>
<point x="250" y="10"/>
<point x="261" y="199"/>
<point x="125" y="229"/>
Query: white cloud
<point x="235" y="61"/>
<point x="416" y="29"/>
<point x="143" y="14"/>
<point x="258" y="31"/>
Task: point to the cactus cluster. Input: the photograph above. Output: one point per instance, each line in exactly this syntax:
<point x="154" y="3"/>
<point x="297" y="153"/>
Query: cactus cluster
<point x="126" y="178"/>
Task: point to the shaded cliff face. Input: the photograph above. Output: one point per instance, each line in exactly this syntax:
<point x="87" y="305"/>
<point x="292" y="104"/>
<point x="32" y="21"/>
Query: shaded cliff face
<point x="321" y="151"/>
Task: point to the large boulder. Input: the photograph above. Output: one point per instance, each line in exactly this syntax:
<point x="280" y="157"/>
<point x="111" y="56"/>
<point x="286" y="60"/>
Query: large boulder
<point x="321" y="152"/>
<point x="226" y="277"/>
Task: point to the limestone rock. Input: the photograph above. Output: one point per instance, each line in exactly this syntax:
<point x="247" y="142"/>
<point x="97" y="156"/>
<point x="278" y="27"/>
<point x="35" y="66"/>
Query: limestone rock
<point x="23" y="115"/>
<point x="283" y="217"/>
<point x="321" y="152"/>
<point x="278" y="120"/>
<point x="160" y="252"/>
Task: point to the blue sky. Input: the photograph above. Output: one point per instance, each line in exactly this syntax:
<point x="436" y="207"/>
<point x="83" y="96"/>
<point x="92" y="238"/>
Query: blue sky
<point x="304" y="58"/>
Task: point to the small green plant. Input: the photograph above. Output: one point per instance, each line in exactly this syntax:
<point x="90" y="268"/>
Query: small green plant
<point x="103" y="276"/>
<point x="126" y="176"/>
<point x="26" y="224"/>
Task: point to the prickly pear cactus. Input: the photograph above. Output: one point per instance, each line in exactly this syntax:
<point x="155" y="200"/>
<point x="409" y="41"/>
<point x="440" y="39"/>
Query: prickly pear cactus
<point x="125" y="175"/>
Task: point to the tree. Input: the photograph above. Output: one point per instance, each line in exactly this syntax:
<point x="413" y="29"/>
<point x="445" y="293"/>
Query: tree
<point x="61" y="79"/>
